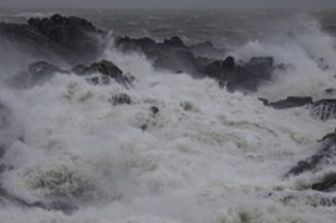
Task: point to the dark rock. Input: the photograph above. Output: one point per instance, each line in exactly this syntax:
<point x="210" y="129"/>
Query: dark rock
<point x="121" y="99"/>
<point x="143" y="44"/>
<point x="104" y="67"/>
<point x="155" y="110"/>
<point x="248" y="77"/>
<point x="60" y="37"/>
<point x="289" y="102"/>
<point x="187" y="106"/>
<point x="108" y="70"/>
<point x="144" y="127"/>
<point x="221" y="70"/>
<point x="327" y="184"/>
<point x="175" y="41"/>
<point x="175" y="56"/>
<point x="324" y="156"/>
<point x="324" y="109"/>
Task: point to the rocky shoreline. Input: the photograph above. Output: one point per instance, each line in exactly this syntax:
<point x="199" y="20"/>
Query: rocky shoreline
<point x="79" y="44"/>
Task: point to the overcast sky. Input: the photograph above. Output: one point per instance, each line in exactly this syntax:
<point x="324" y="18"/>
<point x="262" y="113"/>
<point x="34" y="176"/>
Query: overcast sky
<point x="169" y="3"/>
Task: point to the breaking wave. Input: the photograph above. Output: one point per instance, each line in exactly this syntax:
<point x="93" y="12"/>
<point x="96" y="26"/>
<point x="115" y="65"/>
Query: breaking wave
<point x="180" y="150"/>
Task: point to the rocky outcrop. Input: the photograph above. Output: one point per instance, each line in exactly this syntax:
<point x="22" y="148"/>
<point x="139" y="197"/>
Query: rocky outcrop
<point x="72" y="40"/>
<point x="109" y="71"/>
<point x="326" y="184"/>
<point x="325" y="155"/>
<point x="251" y="75"/>
<point x="174" y="55"/>
<point x="324" y="109"/>
<point x="121" y="99"/>
<point x="319" y="164"/>
<point x="64" y="38"/>
<point x="101" y="72"/>
<point x="289" y="102"/>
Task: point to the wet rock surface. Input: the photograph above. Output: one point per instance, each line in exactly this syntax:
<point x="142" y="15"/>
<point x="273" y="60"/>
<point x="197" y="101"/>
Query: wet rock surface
<point x="121" y="99"/>
<point x="39" y="72"/>
<point x="325" y="155"/>
<point x="289" y="102"/>
<point x="324" y="109"/>
<point x="58" y="37"/>
<point x="76" y="41"/>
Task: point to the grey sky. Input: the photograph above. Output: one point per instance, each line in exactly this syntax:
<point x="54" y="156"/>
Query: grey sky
<point x="169" y="3"/>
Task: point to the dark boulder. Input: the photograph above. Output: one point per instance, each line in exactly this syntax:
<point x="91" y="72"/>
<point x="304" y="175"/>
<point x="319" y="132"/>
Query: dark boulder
<point x="246" y="77"/>
<point x="220" y="70"/>
<point x="326" y="184"/>
<point x="249" y="76"/>
<point x="73" y="33"/>
<point x="155" y="110"/>
<point x="143" y="45"/>
<point x="175" y="41"/>
<point x="58" y="37"/>
<point x="109" y="71"/>
<point x="325" y="155"/>
<point x="324" y="109"/>
<point x="121" y="99"/>
<point x="289" y="102"/>
<point x="105" y="67"/>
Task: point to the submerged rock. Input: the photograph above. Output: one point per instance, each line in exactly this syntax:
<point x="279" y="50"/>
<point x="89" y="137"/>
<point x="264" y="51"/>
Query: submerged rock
<point x="324" y="109"/>
<point x="40" y="72"/>
<point x="325" y="155"/>
<point x="289" y="102"/>
<point x="121" y="99"/>
<point x="327" y="184"/>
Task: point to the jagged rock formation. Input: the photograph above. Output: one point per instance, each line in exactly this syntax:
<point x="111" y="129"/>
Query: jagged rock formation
<point x="41" y="71"/>
<point x="174" y="55"/>
<point x="289" y="102"/>
<point x="323" y="110"/>
<point x="76" y="41"/>
<point x="61" y="38"/>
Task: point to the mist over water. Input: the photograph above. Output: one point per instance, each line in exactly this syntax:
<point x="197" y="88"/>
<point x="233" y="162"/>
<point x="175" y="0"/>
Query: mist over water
<point x="207" y="155"/>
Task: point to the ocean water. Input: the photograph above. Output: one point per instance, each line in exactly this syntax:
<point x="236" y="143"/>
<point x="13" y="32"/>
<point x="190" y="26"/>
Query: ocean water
<point x="207" y="156"/>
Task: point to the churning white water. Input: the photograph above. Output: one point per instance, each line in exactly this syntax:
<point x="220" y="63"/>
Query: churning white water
<point x="206" y="156"/>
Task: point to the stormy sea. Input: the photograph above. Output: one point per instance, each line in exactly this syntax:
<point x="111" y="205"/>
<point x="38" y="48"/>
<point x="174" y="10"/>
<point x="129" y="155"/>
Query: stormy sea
<point x="167" y="116"/>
